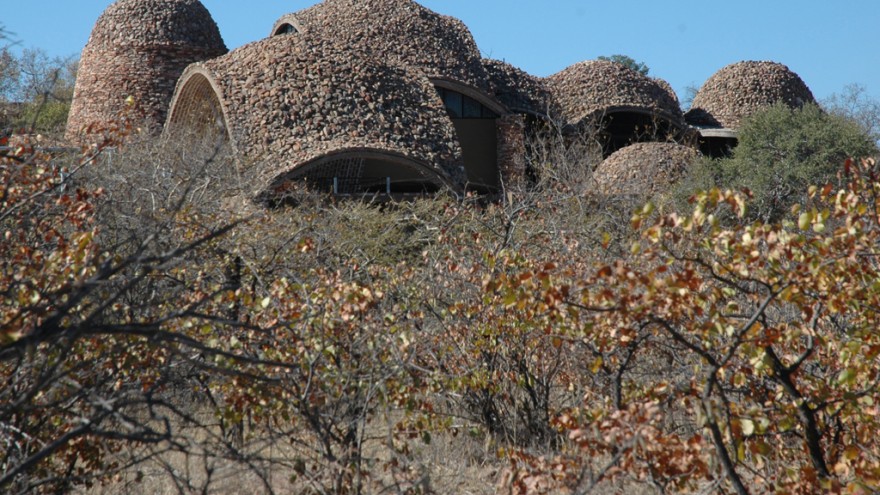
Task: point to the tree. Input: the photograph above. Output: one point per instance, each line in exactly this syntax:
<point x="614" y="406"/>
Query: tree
<point x="629" y="62"/>
<point x="9" y="75"/>
<point x="45" y="85"/>
<point x="69" y="402"/>
<point x="856" y="104"/>
<point x="783" y="150"/>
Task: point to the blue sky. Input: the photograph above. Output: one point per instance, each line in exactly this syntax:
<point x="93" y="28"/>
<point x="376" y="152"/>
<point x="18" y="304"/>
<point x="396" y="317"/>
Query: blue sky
<point x="829" y="43"/>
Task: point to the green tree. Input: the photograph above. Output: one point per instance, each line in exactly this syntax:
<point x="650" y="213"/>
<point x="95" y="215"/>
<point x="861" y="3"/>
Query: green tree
<point x="783" y="150"/>
<point x="855" y="103"/>
<point x="628" y="61"/>
<point x="45" y="85"/>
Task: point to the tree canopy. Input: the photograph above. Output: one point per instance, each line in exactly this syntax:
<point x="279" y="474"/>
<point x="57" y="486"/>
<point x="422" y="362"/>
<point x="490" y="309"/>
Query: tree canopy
<point x="628" y="61"/>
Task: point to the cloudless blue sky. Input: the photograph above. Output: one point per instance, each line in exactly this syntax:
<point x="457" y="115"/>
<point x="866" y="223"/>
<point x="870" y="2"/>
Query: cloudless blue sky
<point x="829" y="43"/>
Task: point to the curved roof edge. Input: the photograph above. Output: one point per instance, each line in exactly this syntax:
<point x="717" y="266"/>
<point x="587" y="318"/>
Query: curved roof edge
<point x="658" y="112"/>
<point x="468" y="90"/>
<point x="274" y="178"/>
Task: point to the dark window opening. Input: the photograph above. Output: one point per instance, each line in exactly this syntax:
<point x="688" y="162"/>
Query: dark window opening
<point x="718" y="147"/>
<point x="622" y="129"/>
<point x="286" y="29"/>
<point x="461" y="106"/>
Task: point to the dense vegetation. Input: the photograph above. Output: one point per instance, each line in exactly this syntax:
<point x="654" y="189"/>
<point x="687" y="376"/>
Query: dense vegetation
<point x="159" y="331"/>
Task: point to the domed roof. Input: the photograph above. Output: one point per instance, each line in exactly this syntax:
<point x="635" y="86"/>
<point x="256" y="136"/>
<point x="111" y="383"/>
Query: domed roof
<point x="644" y="168"/>
<point x="739" y="90"/>
<point x="138" y="49"/>
<point x="396" y="31"/>
<point x="593" y="88"/>
<point x="287" y="101"/>
<point x="156" y="22"/>
<point x="517" y="89"/>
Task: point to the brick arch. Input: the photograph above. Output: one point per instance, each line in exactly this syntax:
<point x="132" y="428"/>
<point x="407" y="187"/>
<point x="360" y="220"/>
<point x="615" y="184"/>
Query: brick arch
<point x="285" y="23"/>
<point x="198" y="106"/>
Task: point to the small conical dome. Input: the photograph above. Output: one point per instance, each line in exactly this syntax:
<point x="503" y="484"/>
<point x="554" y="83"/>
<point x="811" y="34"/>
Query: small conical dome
<point x="739" y="90"/>
<point x="137" y="51"/>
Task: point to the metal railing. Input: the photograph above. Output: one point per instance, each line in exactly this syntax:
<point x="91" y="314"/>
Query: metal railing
<point x="344" y="186"/>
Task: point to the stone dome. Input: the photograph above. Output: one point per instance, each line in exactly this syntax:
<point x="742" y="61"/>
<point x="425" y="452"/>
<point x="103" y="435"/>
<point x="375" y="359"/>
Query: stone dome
<point x="739" y="90"/>
<point x="518" y="90"/>
<point x="591" y="89"/>
<point x="395" y="31"/>
<point x="290" y="102"/>
<point x="138" y="49"/>
<point x="644" y="168"/>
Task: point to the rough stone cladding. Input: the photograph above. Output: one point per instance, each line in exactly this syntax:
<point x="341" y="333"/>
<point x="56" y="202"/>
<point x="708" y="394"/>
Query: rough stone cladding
<point x="139" y="49"/>
<point x="739" y="90"/>
<point x="512" y="150"/>
<point x="292" y="99"/>
<point x="519" y="90"/>
<point x="644" y="168"/>
<point x="589" y="89"/>
<point x="401" y="32"/>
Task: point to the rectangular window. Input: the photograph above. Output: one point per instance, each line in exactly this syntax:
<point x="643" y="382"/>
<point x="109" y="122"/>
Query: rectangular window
<point x="472" y="108"/>
<point x="453" y="102"/>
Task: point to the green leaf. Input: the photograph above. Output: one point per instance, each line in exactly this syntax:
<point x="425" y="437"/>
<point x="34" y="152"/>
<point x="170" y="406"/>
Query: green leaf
<point x="805" y="220"/>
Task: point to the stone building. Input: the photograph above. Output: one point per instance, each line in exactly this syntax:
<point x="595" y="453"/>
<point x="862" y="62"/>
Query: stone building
<point x="385" y="96"/>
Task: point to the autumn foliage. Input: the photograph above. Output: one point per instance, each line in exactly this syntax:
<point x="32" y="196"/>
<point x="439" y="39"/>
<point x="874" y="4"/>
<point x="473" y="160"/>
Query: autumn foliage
<point x="323" y="349"/>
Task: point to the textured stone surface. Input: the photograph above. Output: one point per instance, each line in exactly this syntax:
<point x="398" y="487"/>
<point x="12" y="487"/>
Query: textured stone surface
<point x="138" y="49"/>
<point x="663" y="83"/>
<point x="589" y="89"/>
<point x="294" y="98"/>
<point x="517" y="89"/>
<point x="739" y="90"/>
<point x="644" y="168"/>
<point x="512" y="150"/>
<point x="400" y="32"/>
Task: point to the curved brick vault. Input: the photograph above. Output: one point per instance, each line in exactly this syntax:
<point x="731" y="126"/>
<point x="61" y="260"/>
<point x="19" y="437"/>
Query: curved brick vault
<point x="623" y="105"/>
<point x="287" y="103"/>
<point x="644" y="168"/>
<point x="396" y="31"/>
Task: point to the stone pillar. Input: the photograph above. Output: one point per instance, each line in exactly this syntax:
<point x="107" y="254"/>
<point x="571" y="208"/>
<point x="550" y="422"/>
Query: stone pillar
<point x="511" y="150"/>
